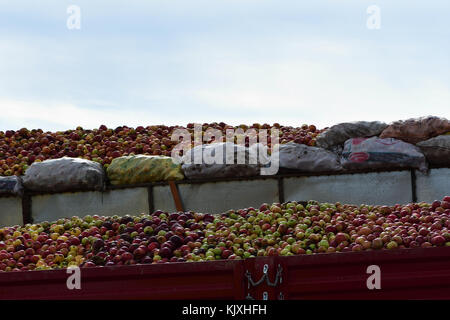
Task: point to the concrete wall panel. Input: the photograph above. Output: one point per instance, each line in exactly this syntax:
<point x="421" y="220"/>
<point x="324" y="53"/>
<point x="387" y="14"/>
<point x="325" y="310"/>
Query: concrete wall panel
<point x="369" y="188"/>
<point x="434" y="185"/>
<point x="114" y="202"/>
<point x="217" y="197"/>
<point x="10" y="211"/>
<point x="222" y="196"/>
<point x="162" y="199"/>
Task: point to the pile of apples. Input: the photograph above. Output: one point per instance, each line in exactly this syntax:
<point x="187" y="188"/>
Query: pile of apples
<point x="279" y="229"/>
<point x="19" y="149"/>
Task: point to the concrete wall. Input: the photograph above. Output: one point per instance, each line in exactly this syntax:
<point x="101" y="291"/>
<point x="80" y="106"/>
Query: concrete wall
<point x="434" y="185"/>
<point x="370" y="188"/>
<point x="162" y="199"/>
<point x="222" y="196"/>
<point x="218" y="197"/>
<point x="11" y="211"/>
<point x="120" y="202"/>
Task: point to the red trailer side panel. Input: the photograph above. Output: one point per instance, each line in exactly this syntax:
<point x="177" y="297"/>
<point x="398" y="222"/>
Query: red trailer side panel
<point x="404" y="273"/>
<point x="208" y="280"/>
<point x="422" y="273"/>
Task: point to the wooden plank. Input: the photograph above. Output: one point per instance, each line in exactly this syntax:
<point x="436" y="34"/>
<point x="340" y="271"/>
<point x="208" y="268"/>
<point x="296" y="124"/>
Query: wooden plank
<point x="176" y="196"/>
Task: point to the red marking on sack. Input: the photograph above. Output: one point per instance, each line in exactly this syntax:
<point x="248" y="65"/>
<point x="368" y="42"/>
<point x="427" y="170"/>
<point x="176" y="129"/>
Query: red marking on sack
<point x="359" y="156"/>
<point x="356" y="141"/>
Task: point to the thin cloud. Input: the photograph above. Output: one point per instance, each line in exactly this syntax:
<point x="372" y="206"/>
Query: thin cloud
<point x="237" y="61"/>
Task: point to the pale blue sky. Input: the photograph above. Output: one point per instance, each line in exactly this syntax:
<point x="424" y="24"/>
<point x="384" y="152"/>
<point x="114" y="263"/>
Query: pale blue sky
<point x="238" y="61"/>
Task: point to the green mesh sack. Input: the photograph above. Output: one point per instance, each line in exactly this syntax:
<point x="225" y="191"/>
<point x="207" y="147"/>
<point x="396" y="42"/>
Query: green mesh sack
<point x="142" y="169"/>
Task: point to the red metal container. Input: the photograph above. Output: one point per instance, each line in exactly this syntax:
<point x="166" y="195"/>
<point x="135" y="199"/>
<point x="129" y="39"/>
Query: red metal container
<point x="208" y="280"/>
<point x="405" y="274"/>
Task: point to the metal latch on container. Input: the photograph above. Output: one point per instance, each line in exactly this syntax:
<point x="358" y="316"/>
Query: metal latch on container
<point x="278" y="277"/>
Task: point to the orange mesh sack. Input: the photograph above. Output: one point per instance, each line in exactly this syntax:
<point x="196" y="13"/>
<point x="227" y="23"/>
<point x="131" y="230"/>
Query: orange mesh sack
<point x="416" y="130"/>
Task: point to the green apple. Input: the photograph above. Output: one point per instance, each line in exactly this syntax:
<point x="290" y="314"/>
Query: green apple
<point x="148" y="230"/>
<point x="300" y="235"/>
<point x="324" y="243"/>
